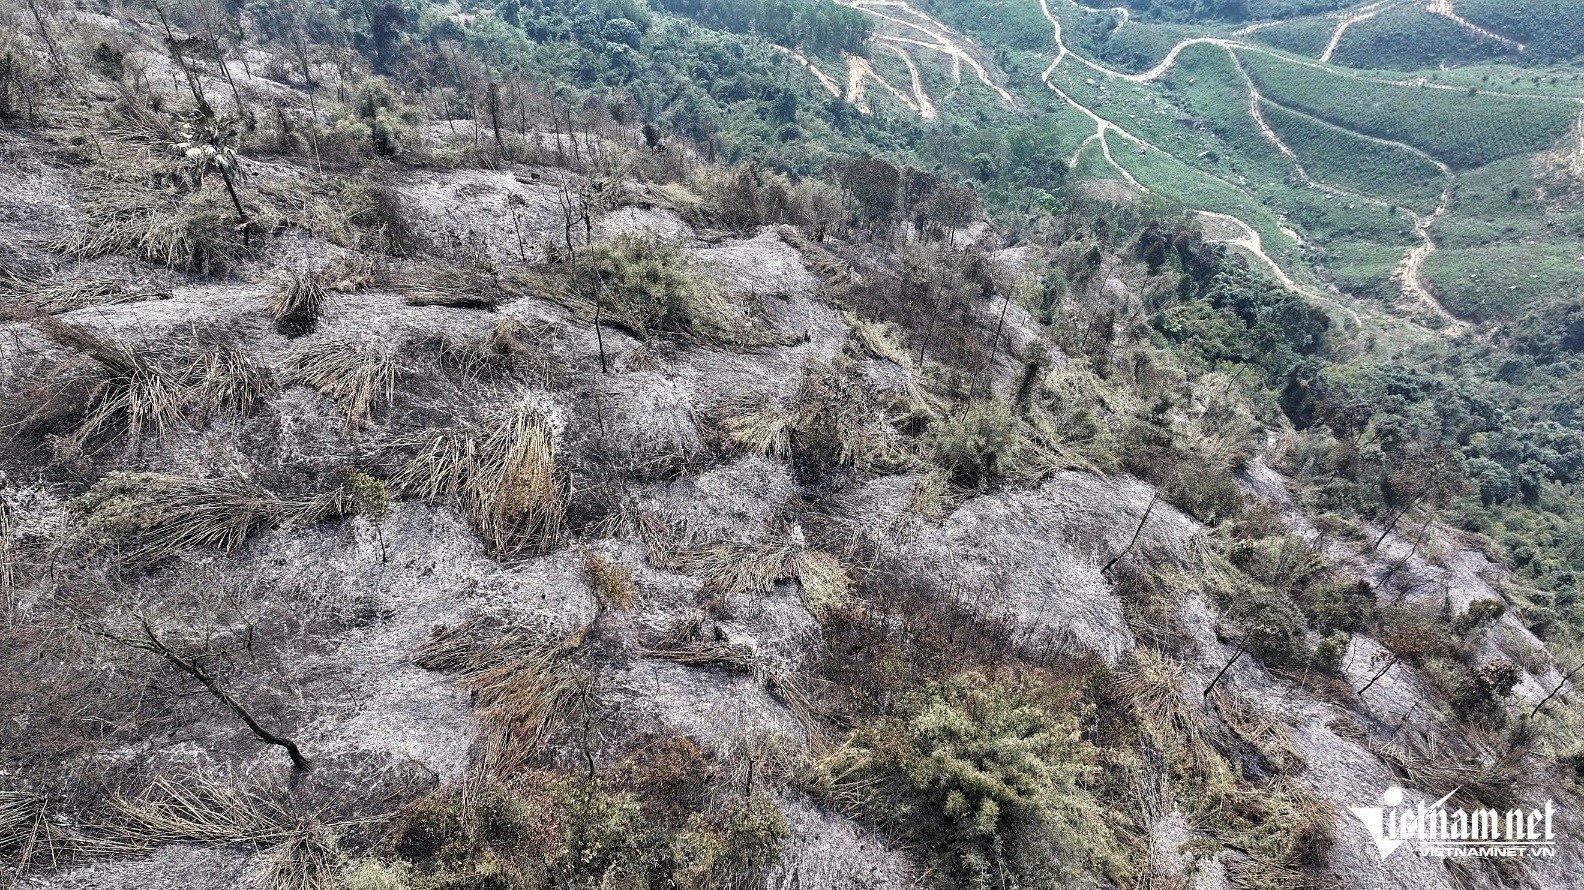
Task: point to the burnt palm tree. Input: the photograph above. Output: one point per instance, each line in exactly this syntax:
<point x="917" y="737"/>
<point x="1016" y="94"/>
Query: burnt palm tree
<point x="208" y="149"/>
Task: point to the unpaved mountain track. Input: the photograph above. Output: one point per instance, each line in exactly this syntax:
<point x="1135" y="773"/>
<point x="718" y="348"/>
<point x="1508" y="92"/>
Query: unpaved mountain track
<point x="1416" y="292"/>
<point x="1166" y="62"/>
<point x="825" y="80"/>
<point x="935" y="35"/>
<point x="1444" y="9"/>
<point x="1249" y="240"/>
<point x="936" y="31"/>
<point x="921" y="99"/>
<point x="858" y="72"/>
<point x="1410" y="271"/>
<point x="1250" y="29"/>
<point x="1578" y="157"/>
<point x="956" y="63"/>
<point x="1351" y="18"/>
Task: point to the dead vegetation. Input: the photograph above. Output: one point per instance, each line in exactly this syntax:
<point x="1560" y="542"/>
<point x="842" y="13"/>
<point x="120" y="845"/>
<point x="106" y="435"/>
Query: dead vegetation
<point x="356" y="376"/>
<point x="24" y="297"/>
<point x="1480" y="778"/>
<point x="196" y="233"/>
<point x="830" y="424"/>
<point x="511" y="347"/>
<point x="227" y="380"/>
<point x="501" y="472"/>
<point x="459" y="287"/>
<point x="736" y="570"/>
<point x="641" y="285"/>
<point x="156" y="514"/>
<point x="612" y="584"/>
<point x="209" y="811"/>
<point x="296" y="302"/>
<point x="22" y="826"/>
<point x="129" y="391"/>
<point x="1156" y="686"/>
<point x="523" y="685"/>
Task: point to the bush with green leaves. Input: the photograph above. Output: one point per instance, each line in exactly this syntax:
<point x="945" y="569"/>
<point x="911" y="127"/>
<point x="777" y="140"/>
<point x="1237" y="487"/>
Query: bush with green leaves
<point x="977" y="445"/>
<point x="988" y="773"/>
<point x="641" y="284"/>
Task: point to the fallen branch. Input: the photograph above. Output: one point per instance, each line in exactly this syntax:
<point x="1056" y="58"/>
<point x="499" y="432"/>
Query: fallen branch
<point x="1136" y="532"/>
<point x="1242" y="647"/>
<point x="1389" y="665"/>
<point x="193" y="667"/>
<point x="1553" y="693"/>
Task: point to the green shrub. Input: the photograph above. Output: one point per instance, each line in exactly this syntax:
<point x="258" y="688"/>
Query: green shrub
<point x="1338" y="607"/>
<point x="641" y="284"/>
<point x="1479" y="614"/>
<point x="987" y="774"/>
<point x="1330" y="652"/>
<point x="976" y="445"/>
<point x="1274" y="627"/>
<point x="734" y="849"/>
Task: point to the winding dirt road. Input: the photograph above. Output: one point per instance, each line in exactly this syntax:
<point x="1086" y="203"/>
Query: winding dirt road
<point x="1444" y="9"/>
<point x="858" y="72"/>
<point x="1350" y="18"/>
<point x="918" y="29"/>
<point x="936" y="31"/>
<point x="1409" y="271"/>
<point x="921" y="99"/>
<point x="825" y="80"/>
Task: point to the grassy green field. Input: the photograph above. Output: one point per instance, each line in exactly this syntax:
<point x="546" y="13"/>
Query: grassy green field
<point x="1337" y="157"/>
<point x="1500" y="281"/>
<point x="1552" y="30"/>
<point x="1205" y="82"/>
<point x="1505" y="237"/>
<point x="1140" y="45"/>
<point x="1462" y="128"/>
<point x="1410" y="38"/>
<point x="1303" y="37"/>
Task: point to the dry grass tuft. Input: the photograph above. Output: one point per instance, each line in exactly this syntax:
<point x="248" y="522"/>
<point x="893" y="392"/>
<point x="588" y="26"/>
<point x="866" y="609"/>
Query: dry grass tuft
<point x="1155" y="685"/>
<point x="207" y="811"/>
<point x="353" y="375"/>
<point x="502" y="473"/>
<point x="689" y="641"/>
<point x="693" y="640"/>
<point x="829" y="424"/>
<point x="22" y="825"/>
<point x="757" y="423"/>
<point x="612" y="584"/>
<point x="197" y="233"/>
<point x="24" y="297"/>
<point x="9" y="562"/>
<point x="228" y="380"/>
<point x="523" y="686"/>
<point x="1260" y="730"/>
<point x="736" y="569"/>
<point x="458" y="287"/>
<point x="510" y="347"/>
<point x="1481" y="779"/>
<point x="296" y="302"/>
<point x="349" y="273"/>
<point x="161" y="514"/>
<point x="129" y="389"/>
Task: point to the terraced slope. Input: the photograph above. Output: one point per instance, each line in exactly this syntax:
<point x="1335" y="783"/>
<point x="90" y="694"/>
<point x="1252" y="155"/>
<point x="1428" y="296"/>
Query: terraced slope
<point x="1327" y="169"/>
